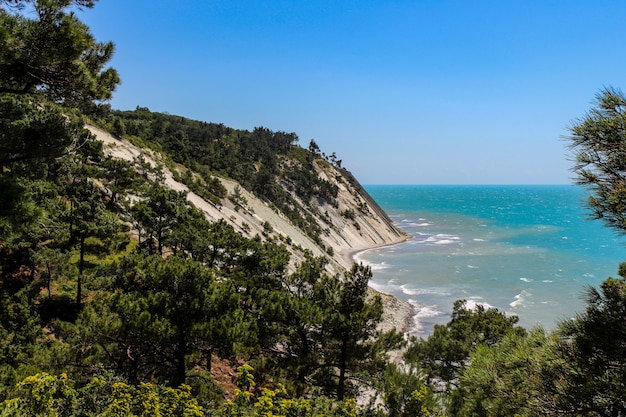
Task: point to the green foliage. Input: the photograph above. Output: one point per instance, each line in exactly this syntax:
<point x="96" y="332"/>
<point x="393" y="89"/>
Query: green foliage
<point x="33" y="128"/>
<point x="19" y="327"/>
<point x="276" y="402"/>
<point x="64" y="61"/>
<point x="599" y="143"/>
<point x="351" y="342"/>
<point x="86" y="218"/>
<point x="148" y="399"/>
<point x="577" y="371"/>
<point x="245" y="379"/>
<point x="508" y="378"/>
<point x="405" y="393"/>
<point x="46" y="395"/>
<point x="158" y="318"/>
<point x="158" y="214"/>
<point x="349" y="214"/>
<point x="444" y="354"/>
<point x="208" y="187"/>
<point x="237" y="198"/>
<point x="120" y="177"/>
<point x="49" y="65"/>
<point x="48" y="59"/>
<point x="593" y="346"/>
<point x="314" y="148"/>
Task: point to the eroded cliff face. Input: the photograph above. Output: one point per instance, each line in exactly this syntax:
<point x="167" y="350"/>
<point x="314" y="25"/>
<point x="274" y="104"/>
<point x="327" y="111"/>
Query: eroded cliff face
<point x="352" y="222"/>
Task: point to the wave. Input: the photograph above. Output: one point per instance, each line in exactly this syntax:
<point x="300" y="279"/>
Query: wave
<point x="521" y="299"/>
<point x="421" y="222"/>
<point x="442" y="239"/>
<point x="472" y="303"/>
<point x="385" y="288"/>
<point x="375" y="266"/>
<point x="378" y="266"/>
<point x="422" y="291"/>
<point x="422" y="314"/>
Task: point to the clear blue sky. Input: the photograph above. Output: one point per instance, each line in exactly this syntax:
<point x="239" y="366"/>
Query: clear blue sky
<point x="415" y="92"/>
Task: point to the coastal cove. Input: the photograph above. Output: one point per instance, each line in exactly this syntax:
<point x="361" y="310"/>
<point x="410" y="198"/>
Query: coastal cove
<point x="527" y="250"/>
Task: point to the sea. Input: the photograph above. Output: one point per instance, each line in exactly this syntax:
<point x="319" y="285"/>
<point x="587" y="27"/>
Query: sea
<point x="527" y="250"/>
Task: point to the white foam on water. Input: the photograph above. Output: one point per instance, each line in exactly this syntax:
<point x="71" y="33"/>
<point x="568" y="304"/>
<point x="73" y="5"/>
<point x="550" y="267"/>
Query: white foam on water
<point x="521" y="299"/>
<point x="375" y="266"/>
<point x="422" y="291"/>
<point x="517" y="302"/>
<point x="422" y="312"/>
<point x="442" y="239"/>
<point x="409" y="291"/>
<point x="472" y="303"/>
<point x="385" y="288"/>
<point x="428" y="311"/>
<point x="379" y="266"/>
<point x="526" y="279"/>
<point x="419" y="238"/>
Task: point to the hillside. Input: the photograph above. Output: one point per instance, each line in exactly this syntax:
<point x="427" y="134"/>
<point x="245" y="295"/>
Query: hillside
<point x="351" y="222"/>
<point x="354" y="223"/>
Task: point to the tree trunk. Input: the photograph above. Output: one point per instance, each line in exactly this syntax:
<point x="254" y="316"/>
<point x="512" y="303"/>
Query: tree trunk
<point x="81" y="261"/>
<point x="209" y="359"/>
<point x="49" y="268"/>
<point x="181" y="371"/>
<point x="159" y="242"/>
<point x="341" y="385"/>
<point x="304" y="355"/>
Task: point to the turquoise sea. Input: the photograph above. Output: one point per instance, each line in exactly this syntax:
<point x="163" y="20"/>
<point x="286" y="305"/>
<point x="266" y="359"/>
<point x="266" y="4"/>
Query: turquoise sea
<point x="526" y="250"/>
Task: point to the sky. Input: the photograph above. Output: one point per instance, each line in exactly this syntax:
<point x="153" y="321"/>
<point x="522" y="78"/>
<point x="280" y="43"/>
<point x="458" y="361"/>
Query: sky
<point x="404" y="92"/>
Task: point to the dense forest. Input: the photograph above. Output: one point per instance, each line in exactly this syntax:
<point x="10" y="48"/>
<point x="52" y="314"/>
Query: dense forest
<point x="118" y="297"/>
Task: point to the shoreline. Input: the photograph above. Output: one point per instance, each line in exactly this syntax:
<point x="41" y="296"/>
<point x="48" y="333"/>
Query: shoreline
<point x="397" y="314"/>
<point x="349" y="255"/>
